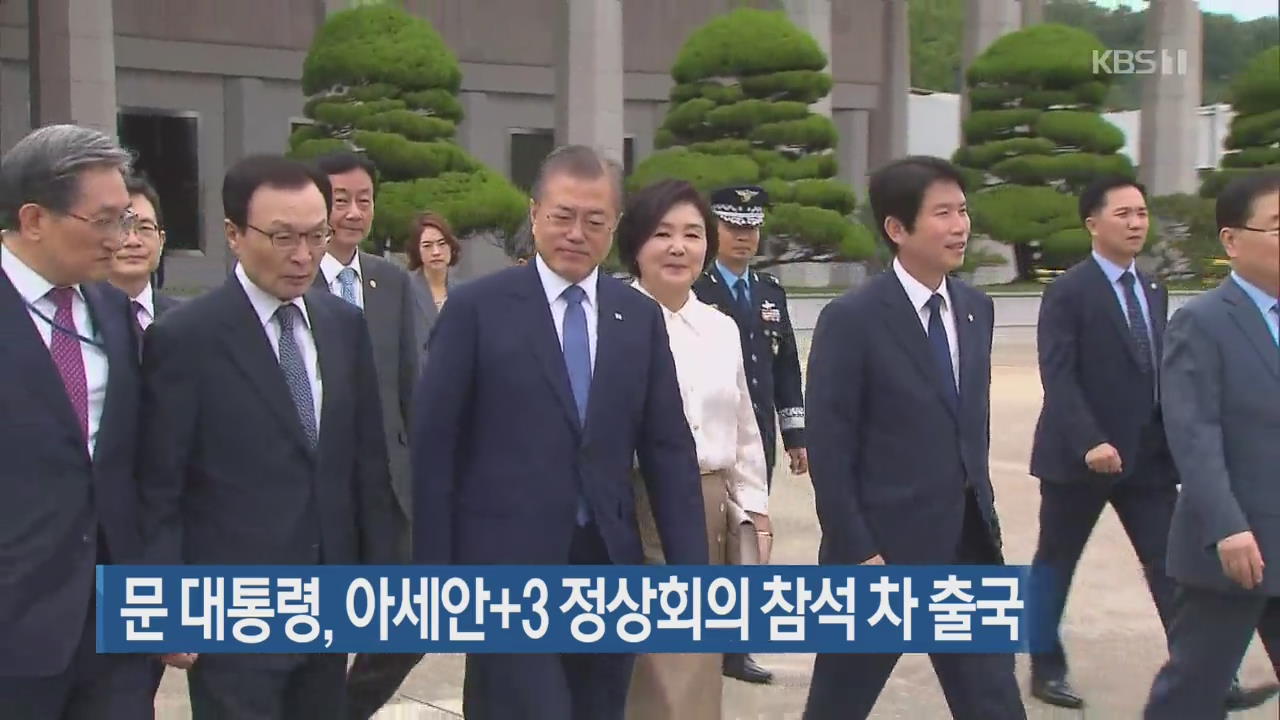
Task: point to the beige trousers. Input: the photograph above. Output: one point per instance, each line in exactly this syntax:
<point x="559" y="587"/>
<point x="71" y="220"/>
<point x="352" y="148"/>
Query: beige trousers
<point x="680" y="686"/>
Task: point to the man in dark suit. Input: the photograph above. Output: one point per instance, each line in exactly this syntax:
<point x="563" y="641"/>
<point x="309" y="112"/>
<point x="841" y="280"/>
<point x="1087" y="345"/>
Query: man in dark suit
<point x="68" y="421"/>
<point x="1221" y="382"/>
<point x="262" y="432"/>
<point x="899" y="431"/>
<point x="544" y="383"/>
<point x="382" y="291"/>
<point x="135" y="263"/>
<point x="758" y="304"/>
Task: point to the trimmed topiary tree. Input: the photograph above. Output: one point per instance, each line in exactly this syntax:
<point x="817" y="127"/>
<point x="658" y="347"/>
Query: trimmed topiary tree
<point x="383" y="82"/>
<point x="740" y="114"/>
<point x="1034" y="138"/>
<point x="1254" y="142"/>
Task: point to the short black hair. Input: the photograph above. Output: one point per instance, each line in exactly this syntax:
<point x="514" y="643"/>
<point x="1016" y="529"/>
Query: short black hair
<point x="645" y="210"/>
<point x="1094" y="197"/>
<point x="137" y="184"/>
<point x="246" y="176"/>
<point x="1235" y="202"/>
<point x="897" y="190"/>
<point x="342" y="162"/>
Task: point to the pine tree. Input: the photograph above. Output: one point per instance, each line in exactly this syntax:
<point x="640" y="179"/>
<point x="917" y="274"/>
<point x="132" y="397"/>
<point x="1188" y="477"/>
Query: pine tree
<point x="1254" y="142"/>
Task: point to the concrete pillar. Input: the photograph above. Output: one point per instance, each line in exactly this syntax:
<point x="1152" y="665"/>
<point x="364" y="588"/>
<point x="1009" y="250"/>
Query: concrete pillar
<point x="985" y="22"/>
<point x="483" y="132"/>
<point x="1171" y="98"/>
<point x="333" y="6"/>
<point x="589" y="75"/>
<point x="814" y="17"/>
<point x="1032" y="12"/>
<point x="245" y="132"/>
<point x="73" y="52"/>
<point x="888" y="129"/>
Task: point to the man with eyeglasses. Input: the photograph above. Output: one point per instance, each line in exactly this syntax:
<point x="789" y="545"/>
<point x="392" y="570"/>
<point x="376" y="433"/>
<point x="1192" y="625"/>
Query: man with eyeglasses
<point x="1221" y="382"/>
<point x="134" y="264"/>
<point x="68" y="409"/>
<point x="545" y="383"/>
<point x="262" y="432"/>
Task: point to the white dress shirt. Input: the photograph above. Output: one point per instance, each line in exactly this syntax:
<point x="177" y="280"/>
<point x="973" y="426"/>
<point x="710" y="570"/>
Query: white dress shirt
<point x="265" y="305"/>
<point x="34" y="289"/>
<point x="717" y="404"/>
<point x="554" y="285"/>
<point x="146" y="314"/>
<point x="919" y="296"/>
<point x="330" y="267"/>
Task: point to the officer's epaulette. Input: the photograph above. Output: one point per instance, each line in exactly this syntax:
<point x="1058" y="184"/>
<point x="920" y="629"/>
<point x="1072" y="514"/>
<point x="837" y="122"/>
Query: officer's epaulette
<point x="768" y="278"/>
<point x="710" y="276"/>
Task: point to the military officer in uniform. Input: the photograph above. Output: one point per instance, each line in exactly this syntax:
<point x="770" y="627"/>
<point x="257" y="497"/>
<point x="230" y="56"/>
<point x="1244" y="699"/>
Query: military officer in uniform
<point x="757" y="302"/>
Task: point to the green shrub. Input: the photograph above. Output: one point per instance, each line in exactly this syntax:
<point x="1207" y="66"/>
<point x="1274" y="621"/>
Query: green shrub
<point x="303" y="134"/>
<point x="1075" y="169"/>
<point x="741" y="117"/>
<point x="821" y="229"/>
<point x="1254" y="157"/>
<point x="830" y="194"/>
<point x="995" y="97"/>
<point x="746" y="41"/>
<point x="804" y="86"/>
<point x="374" y="91"/>
<point x="984" y="156"/>
<point x="1089" y="132"/>
<point x="775" y="164"/>
<point x="1088" y="95"/>
<point x="1047" y="56"/>
<point x="815" y="132"/>
<point x="346" y="114"/>
<point x="401" y="159"/>
<point x="410" y="124"/>
<point x="1254" y="130"/>
<point x="780" y="191"/>
<point x="471" y="202"/>
<point x="1015" y="214"/>
<point x="1062" y="249"/>
<point x="986" y="125"/>
<point x="705" y="172"/>
<point x="438" y="102"/>
<point x="716" y="92"/>
<point x="726" y="146"/>
<point x="689" y="118"/>
<point x="1188" y="224"/>
<point x="664" y="138"/>
<point x="378" y="44"/>
<point x="1216" y="180"/>
<point x="1257" y="88"/>
<point x="312" y="148"/>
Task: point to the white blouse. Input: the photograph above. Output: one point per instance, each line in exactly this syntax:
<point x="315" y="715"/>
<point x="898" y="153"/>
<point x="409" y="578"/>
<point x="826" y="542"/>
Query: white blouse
<point x="717" y="403"/>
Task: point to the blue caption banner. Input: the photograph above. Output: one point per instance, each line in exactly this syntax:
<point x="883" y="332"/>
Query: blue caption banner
<point x="562" y="609"/>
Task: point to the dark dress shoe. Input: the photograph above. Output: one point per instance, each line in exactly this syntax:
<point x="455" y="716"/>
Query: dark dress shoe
<point x="1056" y="692"/>
<point x="1238" y="698"/>
<point x="740" y="666"/>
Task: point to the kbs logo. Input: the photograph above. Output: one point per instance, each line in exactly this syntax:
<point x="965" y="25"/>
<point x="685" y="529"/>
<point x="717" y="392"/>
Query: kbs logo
<point x="1140" y="62"/>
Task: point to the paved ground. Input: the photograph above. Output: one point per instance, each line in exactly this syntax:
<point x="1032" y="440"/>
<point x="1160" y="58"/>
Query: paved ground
<point x="1111" y="632"/>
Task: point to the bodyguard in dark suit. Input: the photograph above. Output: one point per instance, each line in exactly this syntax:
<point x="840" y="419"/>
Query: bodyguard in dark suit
<point x="68" y="421"/>
<point x="899" y="431"/>
<point x="262" y="432"/>
<point x="1221" y="382"/>
<point x="545" y="383"/>
<point x="382" y="291"/>
<point x="758" y="304"/>
<point x="1099" y="439"/>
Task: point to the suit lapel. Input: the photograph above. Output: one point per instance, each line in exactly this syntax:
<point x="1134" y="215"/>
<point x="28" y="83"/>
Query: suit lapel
<point x="1105" y="294"/>
<point x="31" y="359"/>
<point x="610" y="354"/>
<point x="535" y="317"/>
<point x="117" y="336"/>
<point x="1158" y="308"/>
<point x="378" y="308"/>
<point x="328" y="341"/>
<point x="1250" y="322"/>
<point x="968" y="336"/>
<point x="250" y="350"/>
<point x="904" y="325"/>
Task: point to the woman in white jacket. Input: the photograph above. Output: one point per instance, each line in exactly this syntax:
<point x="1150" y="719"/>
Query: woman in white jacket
<point x="666" y="237"/>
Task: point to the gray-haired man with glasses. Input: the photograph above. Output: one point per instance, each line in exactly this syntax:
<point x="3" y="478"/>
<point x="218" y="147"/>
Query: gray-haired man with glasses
<point x="68" y="493"/>
<point x="262" y="433"/>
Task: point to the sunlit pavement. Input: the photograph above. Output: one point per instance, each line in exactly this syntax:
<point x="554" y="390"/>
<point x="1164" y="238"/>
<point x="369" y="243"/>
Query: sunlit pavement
<point x="1111" y="632"/>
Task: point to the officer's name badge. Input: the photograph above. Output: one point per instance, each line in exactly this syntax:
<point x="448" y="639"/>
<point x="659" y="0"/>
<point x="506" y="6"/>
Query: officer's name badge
<point x="770" y="312"/>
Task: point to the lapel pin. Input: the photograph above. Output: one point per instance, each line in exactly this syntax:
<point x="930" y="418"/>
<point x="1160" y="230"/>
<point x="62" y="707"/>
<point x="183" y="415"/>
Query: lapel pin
<point x="970" y="317"/>
<point x="617" y="316"/>
<point x="373" y="283"/>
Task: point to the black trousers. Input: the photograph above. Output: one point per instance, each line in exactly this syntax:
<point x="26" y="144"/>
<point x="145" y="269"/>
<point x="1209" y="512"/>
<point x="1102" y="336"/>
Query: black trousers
<point x="93" y="687"/>
<point x="977" y="686"/>
<point x="551" y="687"/>
<point x="278" y="687"/>
<point x="1207" y="640"/>
<point x="1068" y="514"/>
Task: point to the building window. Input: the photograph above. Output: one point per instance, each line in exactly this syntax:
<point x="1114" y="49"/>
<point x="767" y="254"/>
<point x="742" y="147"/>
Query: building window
<point x="530" y="146"/>
<point x="165" y="148"/>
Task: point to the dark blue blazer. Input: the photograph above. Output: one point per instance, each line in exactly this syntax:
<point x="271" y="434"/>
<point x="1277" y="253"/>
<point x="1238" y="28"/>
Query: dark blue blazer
<point x="498" y="452"/>
<point x="889" y="455"/>
<point x="56" y="503"/>
<point x="1094" y="389"/>
<point x="226" y="473"/>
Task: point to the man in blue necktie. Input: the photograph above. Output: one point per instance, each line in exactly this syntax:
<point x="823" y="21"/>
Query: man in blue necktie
<point x="546" y="382"/>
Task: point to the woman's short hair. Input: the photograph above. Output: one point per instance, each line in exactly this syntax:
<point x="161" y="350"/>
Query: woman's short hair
<point x="645" y="210"/>
<point x="413" y="250"/>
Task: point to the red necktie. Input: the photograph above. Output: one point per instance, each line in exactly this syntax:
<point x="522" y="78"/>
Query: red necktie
<point x="64" y="345"/>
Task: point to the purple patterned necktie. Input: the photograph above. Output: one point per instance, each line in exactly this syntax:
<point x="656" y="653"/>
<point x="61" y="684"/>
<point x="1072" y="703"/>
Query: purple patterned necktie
<point x="64" y="346"/>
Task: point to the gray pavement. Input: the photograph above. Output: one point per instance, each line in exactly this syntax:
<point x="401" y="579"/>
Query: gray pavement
<point x="1110" y="630"/>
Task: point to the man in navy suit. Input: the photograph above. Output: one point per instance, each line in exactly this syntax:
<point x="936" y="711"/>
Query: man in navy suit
<point x="899" y="431"/>
<point x="262" y="433"/>
<point x="543" y="384"/>
<point x="68" y="420"/>
<point x="135" y="263"/>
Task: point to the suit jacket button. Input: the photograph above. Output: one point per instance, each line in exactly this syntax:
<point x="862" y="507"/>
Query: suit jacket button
<point x="86" y="538"/>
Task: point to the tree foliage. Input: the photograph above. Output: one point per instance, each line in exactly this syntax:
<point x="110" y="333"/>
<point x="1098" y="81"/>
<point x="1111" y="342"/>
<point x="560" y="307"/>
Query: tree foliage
<point x="740" y="114"/>
<point x="383" y="83"/>
<point x="1254" y="140"/>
